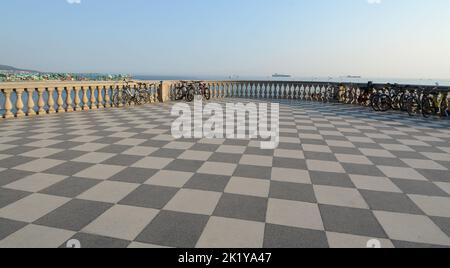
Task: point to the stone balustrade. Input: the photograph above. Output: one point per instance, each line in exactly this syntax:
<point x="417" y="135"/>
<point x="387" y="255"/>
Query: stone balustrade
<point x="39" y="98"/>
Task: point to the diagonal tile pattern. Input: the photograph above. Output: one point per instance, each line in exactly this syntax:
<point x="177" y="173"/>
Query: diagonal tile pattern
<point x="341" y="175"/>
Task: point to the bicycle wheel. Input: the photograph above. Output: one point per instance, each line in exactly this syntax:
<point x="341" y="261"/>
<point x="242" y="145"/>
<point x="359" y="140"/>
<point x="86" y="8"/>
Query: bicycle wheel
<point x="428" y="108"/>
<point x="116" y="100"/>
<point x="385" y="103"/>
<point x="396" y="103"/>
<point x="207" y="94"/>
<point x="412" y="106"/>
<point x="403" y="100"/>
<point x="374" y="102"/>
<point x="444" y="108"/>
<point x="179" y="94"/>
<point x="190" y="95"/>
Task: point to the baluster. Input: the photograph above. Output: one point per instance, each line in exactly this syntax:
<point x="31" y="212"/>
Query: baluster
<point x="264" y="91"/>
<point x="41" y="103"/>
<point x="51" y="101"/>
<point x="30" y="101"/>
<point x="246" y="90"/>
<point x="225" y="90"/>
<point x="85" y="98"/>
<point x="231" y="89"/>
<point x="218" y="90"/>
<point x="156" y="94"/>
<point x="100" y="104"/>
<point x="221" y="90"/>
<point x="212" y="90"/>
<point x="259" y="91"/>
<point x="69" y="108"/>
<point x="77" y="99"/>
<point x="19" y="102"/>
<point x="8" y="104"/>
<point x="287" y="91"/>
<point x="59" y="100"/>
<point x="93" y="98"/>
<point x="107" y="97"/>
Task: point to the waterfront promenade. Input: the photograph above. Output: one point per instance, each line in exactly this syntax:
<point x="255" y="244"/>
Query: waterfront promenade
<point x="115" y="177"/>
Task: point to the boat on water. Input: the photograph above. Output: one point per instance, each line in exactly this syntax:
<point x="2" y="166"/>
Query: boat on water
<point x="277" y="75"/>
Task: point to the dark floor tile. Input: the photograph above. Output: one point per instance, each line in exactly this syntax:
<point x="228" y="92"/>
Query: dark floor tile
<point x="70" y="187"/>
<point x="205" y="147"/>
<point x="320" y="156"/>
<point x="74" y="215"/>
<point x="292" y="191"/>
<point x="435" y="175"/>
<point x="289" y="163"/>
<point x="443" y="223"/>
<point x="67" y="155"/>
<point x="134" y="175"/>
<point x="8" y="227"/>
<point x="15" y="161"/>
<point x="390" y="162"/>
<point x="167" y="153"/>
<point x="68" y="168"/>
<point x="253" y="172"/>
<point x="184" y="165"/>
<point x="174" y="229"/>
<point x="366" y="170"/>
<point x="95" y="241"/>
<point x="149" y="196"/>
<point x="277" y="236"/>
<point x="225" y="158"/>
<point x="122" y="160"/>
<point x="242" y="207"/>
<point x="67" y="145"/>
<point x="410" y="245"/>
<point x="114" y="149"/>
<point x="331" y="179"/>
<point x="207" y="182"/>
<point x="18" y="150"/>
<point x="9" y="196"/>
<point x="392" y="202"/>
<point x="11" y="175"/>
<point x="351" y="221"/>
<point x="419" y="187"/>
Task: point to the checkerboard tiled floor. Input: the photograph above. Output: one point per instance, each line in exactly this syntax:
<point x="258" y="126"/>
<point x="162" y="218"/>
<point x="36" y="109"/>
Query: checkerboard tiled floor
<point x="116" y="178"/>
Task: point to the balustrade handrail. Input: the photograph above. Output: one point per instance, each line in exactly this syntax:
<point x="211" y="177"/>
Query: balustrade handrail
<point x="47" y="97"/>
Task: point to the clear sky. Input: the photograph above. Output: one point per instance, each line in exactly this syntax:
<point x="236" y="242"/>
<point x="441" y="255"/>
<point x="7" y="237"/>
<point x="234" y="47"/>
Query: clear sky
<point x="376" y="38"/>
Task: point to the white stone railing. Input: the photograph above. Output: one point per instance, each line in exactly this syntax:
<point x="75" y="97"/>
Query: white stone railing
<point x="39" y="98"/>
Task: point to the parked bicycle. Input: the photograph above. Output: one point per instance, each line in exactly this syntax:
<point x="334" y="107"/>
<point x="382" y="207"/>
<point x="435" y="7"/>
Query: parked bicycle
<point x="201" y="89"/>
<point x="186" y="90"/>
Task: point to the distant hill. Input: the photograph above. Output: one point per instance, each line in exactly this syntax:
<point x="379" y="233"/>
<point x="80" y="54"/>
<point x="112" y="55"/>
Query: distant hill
<point x="14" y="69"/>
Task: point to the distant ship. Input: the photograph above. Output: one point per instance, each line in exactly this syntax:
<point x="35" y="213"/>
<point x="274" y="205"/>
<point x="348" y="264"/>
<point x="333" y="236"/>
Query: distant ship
<point x="281" y="75"/>
<point x="354" y="76"/>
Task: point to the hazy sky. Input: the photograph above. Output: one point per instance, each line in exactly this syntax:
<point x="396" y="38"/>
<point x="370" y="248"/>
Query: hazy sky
<point x="387" y="38"/>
